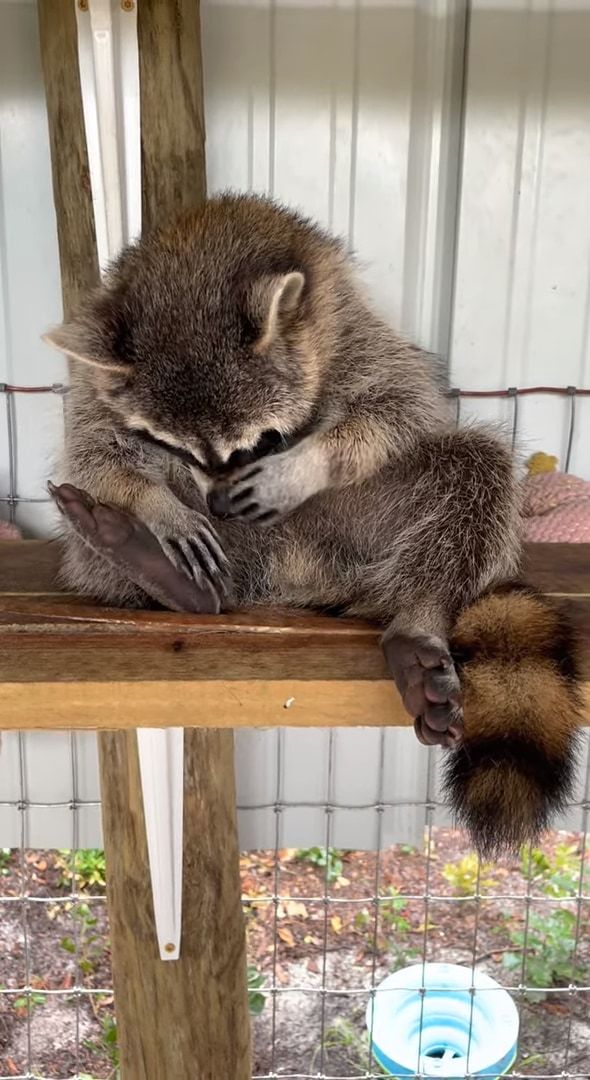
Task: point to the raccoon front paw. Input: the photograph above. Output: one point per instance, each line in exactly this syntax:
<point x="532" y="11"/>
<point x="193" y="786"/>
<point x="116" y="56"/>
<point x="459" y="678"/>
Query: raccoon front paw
<point x="192" y="545"/>
<point x="264" y="491"/>
<point x="427" y="680"/>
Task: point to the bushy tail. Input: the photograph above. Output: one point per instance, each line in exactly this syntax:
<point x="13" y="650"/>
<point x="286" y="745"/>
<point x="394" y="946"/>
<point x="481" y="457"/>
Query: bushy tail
<point x="516" y="658"/>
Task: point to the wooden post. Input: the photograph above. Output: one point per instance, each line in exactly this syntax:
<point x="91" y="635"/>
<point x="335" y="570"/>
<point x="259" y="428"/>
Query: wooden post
<point x="69" y="157"/>
<point x="172" y="119"/>
<point x="186" y="1019"/>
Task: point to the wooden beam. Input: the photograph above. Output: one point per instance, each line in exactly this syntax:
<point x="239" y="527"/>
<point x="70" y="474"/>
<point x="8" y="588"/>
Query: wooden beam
<point x="64" y="663"/>
<point x="188" y="1018"/>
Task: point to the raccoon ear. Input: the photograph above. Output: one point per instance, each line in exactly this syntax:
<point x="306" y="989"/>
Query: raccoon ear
<point x="275" y="302"/>
<point x="80" y="341"/>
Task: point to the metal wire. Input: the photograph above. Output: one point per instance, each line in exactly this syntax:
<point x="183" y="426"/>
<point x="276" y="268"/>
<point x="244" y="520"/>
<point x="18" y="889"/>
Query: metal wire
<point x="325" y="995"/>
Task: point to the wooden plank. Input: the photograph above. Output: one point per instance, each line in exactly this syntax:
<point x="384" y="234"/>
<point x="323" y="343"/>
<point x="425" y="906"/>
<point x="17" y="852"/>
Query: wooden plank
<point x="69" y="157"/>
<point x="246" y="646"/>
<point x="59" y="638"/>
<point x="175" y="1016"/>
<point x="29" y="566"/>
<point x="213" y="704"/>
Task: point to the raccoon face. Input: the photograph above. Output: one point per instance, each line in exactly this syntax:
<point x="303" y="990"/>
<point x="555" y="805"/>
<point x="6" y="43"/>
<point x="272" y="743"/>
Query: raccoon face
<point x="219" y="379"/>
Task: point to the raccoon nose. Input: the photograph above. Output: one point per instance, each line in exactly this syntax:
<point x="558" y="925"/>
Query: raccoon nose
<point x="268" y="442"/>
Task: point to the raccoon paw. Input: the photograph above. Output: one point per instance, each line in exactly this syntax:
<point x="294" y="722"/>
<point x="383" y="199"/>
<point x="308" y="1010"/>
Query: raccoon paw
<point x="191" y="544"/>
<point x="264" y="491"/>
<point x="138" y="553"/>
<point x="427" y="680"/>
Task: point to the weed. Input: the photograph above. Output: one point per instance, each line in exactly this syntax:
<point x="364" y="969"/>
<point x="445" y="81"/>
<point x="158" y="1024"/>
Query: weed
<point x="88" y="865"/>
<point x="532" y="1059"/>
<point x="395" y="926"/>
<point x="550" y="945"/>
<point x="467" y="877"/>
<point x="344" y="1037"/>
<point x="256" y="999"/>
<point x="5" y="861"/>
<point x="31" y="1000"/>
<point x="107" y="1043"/>
<point x="90" y="944"/>
<point x="327" y="859"/>
<point x="558" y="874"/>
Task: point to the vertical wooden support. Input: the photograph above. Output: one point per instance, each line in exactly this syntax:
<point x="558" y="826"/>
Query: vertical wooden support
<point x="69" y="158"/>
<point x="187" y="1019"/>
<point x="173" y="175"/>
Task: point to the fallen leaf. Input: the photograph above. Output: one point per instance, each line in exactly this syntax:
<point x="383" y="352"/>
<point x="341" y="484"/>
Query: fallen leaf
<point x="336" y="924"/>
<point x="286" y="935"/>
<point x="294" y="908"/>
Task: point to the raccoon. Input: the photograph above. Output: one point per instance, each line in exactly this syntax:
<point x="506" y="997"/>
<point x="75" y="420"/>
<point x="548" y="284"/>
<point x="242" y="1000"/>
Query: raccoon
<point x="243" y="429"/>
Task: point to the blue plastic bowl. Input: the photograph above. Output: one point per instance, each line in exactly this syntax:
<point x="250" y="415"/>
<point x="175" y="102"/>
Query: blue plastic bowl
<point x="437" y="1000"/>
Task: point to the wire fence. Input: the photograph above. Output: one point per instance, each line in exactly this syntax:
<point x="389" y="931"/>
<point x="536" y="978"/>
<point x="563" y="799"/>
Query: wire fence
<point x="325" y="996"/>
<point x="321" y="994"/>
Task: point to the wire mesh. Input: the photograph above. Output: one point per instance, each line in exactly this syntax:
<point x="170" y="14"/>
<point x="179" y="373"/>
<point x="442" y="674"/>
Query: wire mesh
<point x="328" y="999"/>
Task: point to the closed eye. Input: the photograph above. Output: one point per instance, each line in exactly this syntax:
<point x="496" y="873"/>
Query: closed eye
<point x="176" y="451"/>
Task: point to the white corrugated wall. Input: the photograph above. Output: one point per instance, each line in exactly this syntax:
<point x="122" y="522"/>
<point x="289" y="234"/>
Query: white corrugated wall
<point x="459" y="176"/>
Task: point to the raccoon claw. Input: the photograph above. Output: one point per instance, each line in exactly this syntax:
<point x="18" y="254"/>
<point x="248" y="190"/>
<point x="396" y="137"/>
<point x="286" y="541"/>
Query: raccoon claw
<point x="199" y="556"/>
<point x="132" y="547"/>
<point x="427" y="680"/>
<point x="239" y="500"/>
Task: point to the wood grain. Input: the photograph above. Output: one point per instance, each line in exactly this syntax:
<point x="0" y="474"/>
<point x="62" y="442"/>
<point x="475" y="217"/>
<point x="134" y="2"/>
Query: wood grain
<point x="177" y="1018"/>
<point x="173" y="126"/>
<point x="212" y="704"/>
<point x="52" y="639"/>
<point x="186" y="1019"/>
<point x="69" y="157"/>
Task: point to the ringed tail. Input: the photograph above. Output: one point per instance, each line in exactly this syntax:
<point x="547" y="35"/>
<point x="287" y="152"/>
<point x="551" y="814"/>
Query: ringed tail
<point x="515" y="770"/>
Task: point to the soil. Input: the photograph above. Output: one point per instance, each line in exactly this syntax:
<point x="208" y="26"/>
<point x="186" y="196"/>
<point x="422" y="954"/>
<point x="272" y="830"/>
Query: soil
<point x="313" y="1033"/>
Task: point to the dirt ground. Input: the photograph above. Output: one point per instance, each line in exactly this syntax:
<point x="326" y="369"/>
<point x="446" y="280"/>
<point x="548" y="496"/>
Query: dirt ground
<point x="312" y="1033"/>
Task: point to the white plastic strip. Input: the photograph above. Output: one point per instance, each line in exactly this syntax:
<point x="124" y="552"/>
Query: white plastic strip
<point x="161" y="760"/>
<point x="109" y="74"/>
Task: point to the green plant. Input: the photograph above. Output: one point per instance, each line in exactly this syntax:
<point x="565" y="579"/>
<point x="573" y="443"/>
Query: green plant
<point x="467" y="876"/>
<point x="5" y="860"/>
<point x="90" y="943"/>
<point x="326" y="859"/>
<point x="256" y="999"/>
<point x="107" y="1043"/>
<point x="88" y="865"/>
<point x="558" y="874"/>
<point x="391" y="911"/>
<point x="344" y="1037"/>
<point x="31" y="1000"/>
<point x="550" y="944"/>
<point x="394" y="926"/>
